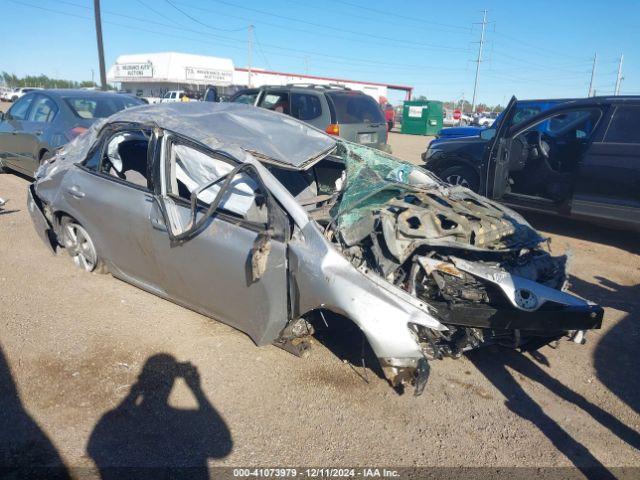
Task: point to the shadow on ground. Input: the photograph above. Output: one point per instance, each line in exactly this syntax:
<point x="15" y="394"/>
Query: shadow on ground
<point x="616" y="356"/>
<point x="25" y="450"/>
<point x="145" y="437"/>
<point x="623" y="239"/>
<point x="497" y="370"/>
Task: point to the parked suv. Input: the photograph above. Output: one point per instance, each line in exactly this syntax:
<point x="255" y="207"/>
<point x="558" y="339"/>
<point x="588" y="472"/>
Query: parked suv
<point x="350" y="114"/>
<point x="580" y="158"/>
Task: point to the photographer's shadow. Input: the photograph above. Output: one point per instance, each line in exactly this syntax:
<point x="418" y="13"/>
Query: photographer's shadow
<point x="145" y="437"/>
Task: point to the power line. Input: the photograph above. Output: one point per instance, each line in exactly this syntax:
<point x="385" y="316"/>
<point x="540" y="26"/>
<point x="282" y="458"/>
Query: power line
<point x="148" y="7"/>
<point x="202" y="23"/>
<point x="421" y="21"/>
<point x="264" y="57"/>
<point x="331" y="27"/>
<point x="234" y="42"/>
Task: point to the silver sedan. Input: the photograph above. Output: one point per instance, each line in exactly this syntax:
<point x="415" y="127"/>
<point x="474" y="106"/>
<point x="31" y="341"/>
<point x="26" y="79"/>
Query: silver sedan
<point x="271" y="226"/>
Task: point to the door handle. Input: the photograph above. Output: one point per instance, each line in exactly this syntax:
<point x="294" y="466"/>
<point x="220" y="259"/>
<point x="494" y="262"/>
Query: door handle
<point x="75" y="192"/>
<point x="38" y="133"/>
<point x="158" y="224"/>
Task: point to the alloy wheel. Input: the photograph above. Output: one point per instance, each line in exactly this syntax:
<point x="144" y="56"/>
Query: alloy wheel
<point x="80" y="247"/>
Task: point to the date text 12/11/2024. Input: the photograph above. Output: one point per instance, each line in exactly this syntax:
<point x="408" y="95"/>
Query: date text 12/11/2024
<point x="315" y="473"/>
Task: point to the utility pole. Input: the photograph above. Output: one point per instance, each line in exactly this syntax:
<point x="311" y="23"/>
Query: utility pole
<point x="250" y="54"/>
<point x="103" y="73"/>
<point x="475" y="85"/>
<point x="619" y="77"/>
<point x="591" y="92"/>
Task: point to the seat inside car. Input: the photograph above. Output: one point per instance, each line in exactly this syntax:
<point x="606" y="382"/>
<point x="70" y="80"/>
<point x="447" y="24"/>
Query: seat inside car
<point x="126" y="157"/>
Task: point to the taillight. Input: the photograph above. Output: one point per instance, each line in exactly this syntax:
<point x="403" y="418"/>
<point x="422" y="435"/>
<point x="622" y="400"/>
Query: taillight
<point x="333" y="129"/>
<point x="74" y="132"/>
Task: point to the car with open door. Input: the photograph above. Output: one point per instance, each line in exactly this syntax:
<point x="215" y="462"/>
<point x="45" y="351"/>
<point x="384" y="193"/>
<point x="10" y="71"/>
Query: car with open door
<point x="579" y="159"/>
<point x="272" y="226"/>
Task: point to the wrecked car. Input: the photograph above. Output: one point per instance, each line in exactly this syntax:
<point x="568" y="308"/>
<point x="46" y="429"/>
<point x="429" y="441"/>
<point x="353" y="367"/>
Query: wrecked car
<point x="263" y="222"/>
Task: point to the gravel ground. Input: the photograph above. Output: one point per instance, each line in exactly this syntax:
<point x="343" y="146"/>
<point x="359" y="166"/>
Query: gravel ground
<point x="75" y="344"/>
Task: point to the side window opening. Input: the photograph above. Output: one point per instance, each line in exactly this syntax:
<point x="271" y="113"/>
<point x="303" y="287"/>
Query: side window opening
<point x="305" y="106"/>
<point x="19" y="109"/>
<point x="125" y="156"/>
<point x="624" y="126"/>
<point x="43" y="110"/>
<point x="276" y="101"/>
<point x="189" y="169"/>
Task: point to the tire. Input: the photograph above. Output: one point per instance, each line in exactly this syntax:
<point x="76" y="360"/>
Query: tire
<point x="461" y="175"/>
<point x="80" y="247"/>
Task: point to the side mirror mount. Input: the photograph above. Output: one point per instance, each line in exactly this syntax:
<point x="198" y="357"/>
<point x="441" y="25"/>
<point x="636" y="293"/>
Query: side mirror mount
<point x="488" y="133"/>
<point x="2" y="116"/>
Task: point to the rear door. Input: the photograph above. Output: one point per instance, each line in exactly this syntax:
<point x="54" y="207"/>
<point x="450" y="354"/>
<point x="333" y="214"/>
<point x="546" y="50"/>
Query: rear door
<point x="11" y="128"/>
<point x="308" y="108"/>
<point x="35" y="131"/>
<point x="359" y="117"/>
<point x="114" y="204"/>
<point x="608" y="183"/>
<point x="230" y="261"/>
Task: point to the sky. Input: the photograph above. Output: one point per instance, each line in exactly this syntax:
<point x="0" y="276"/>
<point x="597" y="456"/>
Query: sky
<point x="532" y="49"/>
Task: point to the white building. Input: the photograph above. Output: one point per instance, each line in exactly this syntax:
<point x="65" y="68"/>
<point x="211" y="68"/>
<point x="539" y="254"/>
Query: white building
<point x="153" y="74"/>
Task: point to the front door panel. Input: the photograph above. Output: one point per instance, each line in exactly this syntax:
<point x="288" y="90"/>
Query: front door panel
<point x="212" y="273"/>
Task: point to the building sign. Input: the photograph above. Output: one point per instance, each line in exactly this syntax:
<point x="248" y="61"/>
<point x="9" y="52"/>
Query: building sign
<point x="210" y="75"/>
<point x="133" y="70"/>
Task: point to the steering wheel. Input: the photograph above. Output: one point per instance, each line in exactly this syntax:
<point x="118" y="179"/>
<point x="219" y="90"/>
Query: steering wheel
<point x="542" y="145"/>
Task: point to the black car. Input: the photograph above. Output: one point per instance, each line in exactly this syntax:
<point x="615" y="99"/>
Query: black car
<point x="43" y="120"/>
<point x="580" y="158"/>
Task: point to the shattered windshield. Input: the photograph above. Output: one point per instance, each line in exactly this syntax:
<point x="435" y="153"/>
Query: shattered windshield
<point x="372" y="179"/>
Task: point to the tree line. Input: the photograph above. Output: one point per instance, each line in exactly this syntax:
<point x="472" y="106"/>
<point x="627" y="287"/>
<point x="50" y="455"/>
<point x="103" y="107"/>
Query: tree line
<point x="42" y="81"/>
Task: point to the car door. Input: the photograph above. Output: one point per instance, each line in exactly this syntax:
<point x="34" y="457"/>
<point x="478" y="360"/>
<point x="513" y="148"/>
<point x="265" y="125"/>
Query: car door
<point x="230" y="263"/>
<point x="35" y="129"/>
<point x="114" y="204"/>
<point x="11" y="128"/>
<point x="608" y="183"/>
<point x="494" y="170"/>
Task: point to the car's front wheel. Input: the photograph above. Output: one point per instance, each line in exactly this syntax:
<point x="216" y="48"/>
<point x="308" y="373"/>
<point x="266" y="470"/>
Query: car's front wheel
<point x="461" y="175"/>
<point x="80" y="246"/>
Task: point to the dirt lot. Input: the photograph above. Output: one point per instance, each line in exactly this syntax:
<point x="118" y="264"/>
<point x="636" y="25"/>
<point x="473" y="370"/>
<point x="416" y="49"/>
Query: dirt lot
<point x="75" y="345"/>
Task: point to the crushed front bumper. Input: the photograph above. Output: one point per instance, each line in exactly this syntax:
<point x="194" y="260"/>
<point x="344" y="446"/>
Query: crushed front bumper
<point x="40" y="222"/>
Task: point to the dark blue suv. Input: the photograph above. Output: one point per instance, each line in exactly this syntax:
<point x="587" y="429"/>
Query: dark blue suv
<point x="577" y="158"/>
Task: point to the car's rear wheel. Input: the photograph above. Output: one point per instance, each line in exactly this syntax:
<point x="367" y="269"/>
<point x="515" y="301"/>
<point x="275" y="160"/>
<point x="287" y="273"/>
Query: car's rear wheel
<point x="461" y="175"/>
<point x="80" y="246"/>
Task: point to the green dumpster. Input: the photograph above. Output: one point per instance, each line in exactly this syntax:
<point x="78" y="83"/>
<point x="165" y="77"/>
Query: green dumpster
<point x="421" y="117"/>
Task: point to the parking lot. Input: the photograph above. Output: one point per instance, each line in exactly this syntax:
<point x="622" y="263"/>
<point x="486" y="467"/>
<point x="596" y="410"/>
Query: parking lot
<point x="76" y="346"/>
